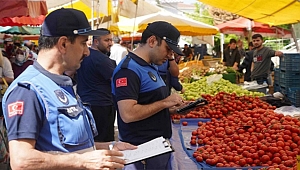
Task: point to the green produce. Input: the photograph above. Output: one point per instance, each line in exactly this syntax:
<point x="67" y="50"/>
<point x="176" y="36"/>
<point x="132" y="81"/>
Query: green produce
<point x="195" y="89"/>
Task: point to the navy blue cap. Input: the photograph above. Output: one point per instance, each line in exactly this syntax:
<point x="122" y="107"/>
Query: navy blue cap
<point x="66" y="22"/>
<point x="167" y="32"/>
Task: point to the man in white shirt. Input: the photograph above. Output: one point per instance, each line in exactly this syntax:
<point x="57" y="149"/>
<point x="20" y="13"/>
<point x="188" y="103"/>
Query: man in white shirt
<point x="117" y="51"/>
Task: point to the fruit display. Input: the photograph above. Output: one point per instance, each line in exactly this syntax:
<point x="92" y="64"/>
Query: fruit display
<point x="191" y="73"/>
<point x="190" y="63"/>
<point x="224" y="104"/>
<point x="197" y="88"/>
<point x="220" y="69"/>
<point x="255" y="137"/>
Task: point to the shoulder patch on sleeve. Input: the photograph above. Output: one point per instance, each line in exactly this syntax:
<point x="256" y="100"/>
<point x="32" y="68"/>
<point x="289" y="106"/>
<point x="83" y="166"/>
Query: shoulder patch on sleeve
<point x="121" y="82"/>
<point x="16" y="108"/>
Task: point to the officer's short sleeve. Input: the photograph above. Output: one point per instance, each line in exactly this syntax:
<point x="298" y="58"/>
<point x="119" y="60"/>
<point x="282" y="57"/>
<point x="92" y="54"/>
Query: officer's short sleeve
<point x="24" y="114"/>
<point x="126" y="84"/>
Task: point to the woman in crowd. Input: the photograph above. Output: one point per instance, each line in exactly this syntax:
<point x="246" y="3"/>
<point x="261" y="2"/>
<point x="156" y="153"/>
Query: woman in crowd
<point x="21" y="61"/>
<point x="6" y="74"/>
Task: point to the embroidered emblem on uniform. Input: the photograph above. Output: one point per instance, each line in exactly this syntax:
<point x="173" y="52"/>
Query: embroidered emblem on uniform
<point x="16" y="108"/>
<point x="152" y="76"/>
<point x="61" y="97"/>
<point x="121" y="82"/>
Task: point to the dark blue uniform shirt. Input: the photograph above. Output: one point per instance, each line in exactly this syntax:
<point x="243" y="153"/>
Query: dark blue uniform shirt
<point x="94" y="79"/>
<point x="135" y="79"/>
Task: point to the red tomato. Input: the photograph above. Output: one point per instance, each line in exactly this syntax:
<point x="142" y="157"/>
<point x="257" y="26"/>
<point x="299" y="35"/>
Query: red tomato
<point x="199" y="159"/>
<point x="276" y="160"/>
<point x="265" y="159"/>
<point x="184" y="123"/>
<point x="193" y="142"/>
<point x="242" y="162"/>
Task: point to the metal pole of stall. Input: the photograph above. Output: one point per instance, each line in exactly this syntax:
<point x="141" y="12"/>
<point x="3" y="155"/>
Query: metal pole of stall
<point x="295" y="38"/>
<point x="222" y="44"/>
<point x="136" y="10"/>
<point x="92" y="23"/>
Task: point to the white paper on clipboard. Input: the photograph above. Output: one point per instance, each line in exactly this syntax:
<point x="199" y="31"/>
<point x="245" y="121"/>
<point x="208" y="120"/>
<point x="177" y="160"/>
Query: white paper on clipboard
<point x="149" y="149"/>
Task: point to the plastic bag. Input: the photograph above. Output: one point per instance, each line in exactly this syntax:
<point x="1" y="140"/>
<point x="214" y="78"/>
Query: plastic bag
<point x="213" y="78"/>
<point x="288" y="110"/>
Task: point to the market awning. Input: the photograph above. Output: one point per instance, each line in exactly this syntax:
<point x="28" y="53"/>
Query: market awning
<point x="20" y="21"/>
<point x="24" y="30"/>
<point x="242" y="26"/>
<point x="185" y="25"/>
<point x="22" y="12"/>
<point x="272" y="12"/>
<point x="100" y="9"/>
<point x="19" y="8"/>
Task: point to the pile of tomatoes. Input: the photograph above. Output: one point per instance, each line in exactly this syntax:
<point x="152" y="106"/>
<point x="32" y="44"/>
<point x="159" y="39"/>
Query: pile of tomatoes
<point x="256" y="136"/>
<point x="224" y="104"/>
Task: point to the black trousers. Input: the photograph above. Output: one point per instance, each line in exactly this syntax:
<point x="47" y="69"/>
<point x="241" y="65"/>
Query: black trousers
<point x="261" y="80"/>
<point x="104" y="117"/>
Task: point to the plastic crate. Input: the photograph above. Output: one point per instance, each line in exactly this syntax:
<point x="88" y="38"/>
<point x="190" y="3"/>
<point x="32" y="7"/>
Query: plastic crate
<point x="276" y="76"/>
<point x="277" y="88"/>
<point x="294" y="95"/>
<point x="290" y="61"/>
<point x="284" y="90"/>
<point x="289" y="78"/>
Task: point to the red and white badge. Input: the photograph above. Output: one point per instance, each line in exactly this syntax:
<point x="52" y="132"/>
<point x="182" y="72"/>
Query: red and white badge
<point x="16" y="108"/>
<point x="121" y="82"/>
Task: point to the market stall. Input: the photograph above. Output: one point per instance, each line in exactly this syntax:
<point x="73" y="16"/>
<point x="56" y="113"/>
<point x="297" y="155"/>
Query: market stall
<point x="236" y="132"/>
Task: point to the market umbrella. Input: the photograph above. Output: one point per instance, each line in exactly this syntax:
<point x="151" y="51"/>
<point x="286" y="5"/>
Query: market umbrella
<point x="18" y="8"/>
<point x="272" y="12"/>
<point x="20" y="21"/>
<point x="22" y="12"/>
<point x="186" y="26"/>
<point x="24" y="30"/>
<point x="243" y="26"/>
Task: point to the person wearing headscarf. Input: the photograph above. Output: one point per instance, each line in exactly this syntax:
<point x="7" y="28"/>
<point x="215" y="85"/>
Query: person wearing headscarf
<point x="21" y="61"/>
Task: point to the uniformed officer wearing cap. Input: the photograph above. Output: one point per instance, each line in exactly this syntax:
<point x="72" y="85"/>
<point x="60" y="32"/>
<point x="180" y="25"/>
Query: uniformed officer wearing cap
<point x="48" y="125"/>
<point x="141" y="95"/>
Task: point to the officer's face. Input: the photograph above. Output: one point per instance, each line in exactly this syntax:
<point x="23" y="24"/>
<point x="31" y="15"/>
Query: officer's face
<point x="162" y="53"/>
<point x="76" y="52"/>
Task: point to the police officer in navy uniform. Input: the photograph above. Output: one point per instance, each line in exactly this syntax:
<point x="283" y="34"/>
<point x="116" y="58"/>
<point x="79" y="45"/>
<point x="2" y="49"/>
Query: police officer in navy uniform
<point x="48" y="126"/>
<point x="141" y="96"/>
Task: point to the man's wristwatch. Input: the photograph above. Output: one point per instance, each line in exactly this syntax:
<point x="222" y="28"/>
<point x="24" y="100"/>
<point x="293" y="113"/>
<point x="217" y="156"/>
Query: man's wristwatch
<point x="171" y="59"/>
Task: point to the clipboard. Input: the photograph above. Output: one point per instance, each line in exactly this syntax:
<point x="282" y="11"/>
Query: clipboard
<point x="149" y="149"/>
<point x="197" y="103"/>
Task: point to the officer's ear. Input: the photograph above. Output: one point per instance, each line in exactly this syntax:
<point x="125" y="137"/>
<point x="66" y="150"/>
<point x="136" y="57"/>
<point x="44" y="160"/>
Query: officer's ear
<point x="152" y="41"/>
<point x="62" y="44"/>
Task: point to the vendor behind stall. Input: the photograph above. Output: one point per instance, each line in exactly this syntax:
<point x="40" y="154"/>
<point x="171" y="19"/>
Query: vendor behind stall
<point x="232" y="55"/>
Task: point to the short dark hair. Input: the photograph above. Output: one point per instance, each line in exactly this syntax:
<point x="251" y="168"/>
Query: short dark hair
<point x="105" y="32"/>
<point x="250" y="44"/>
<point x="46" y="42"/>
<point x="232" y="41"/>
<point x="257" y="36"/>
